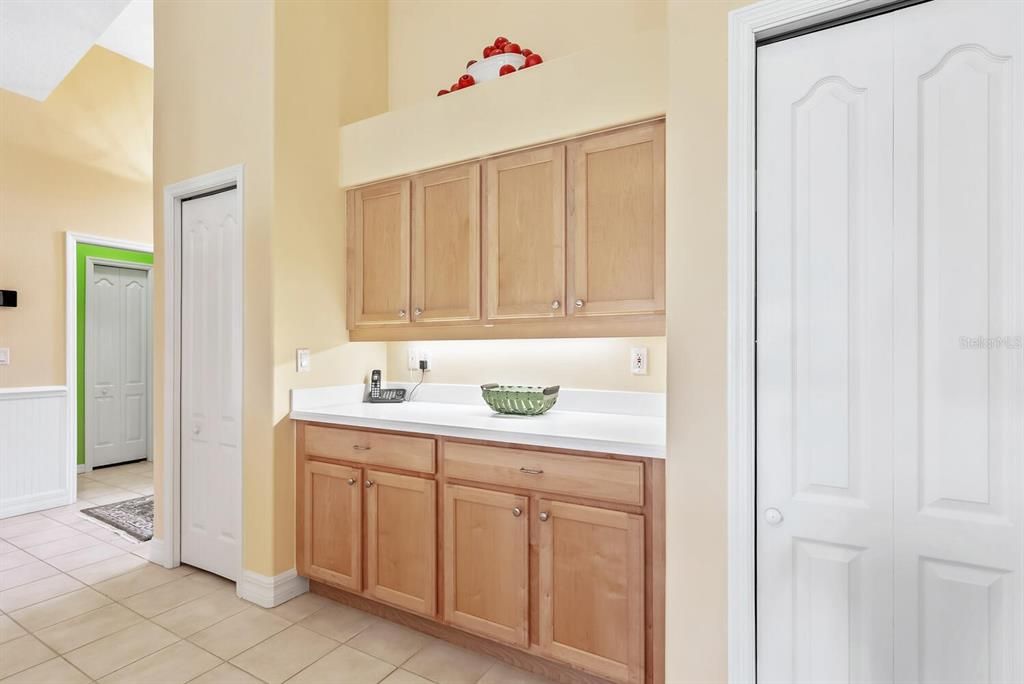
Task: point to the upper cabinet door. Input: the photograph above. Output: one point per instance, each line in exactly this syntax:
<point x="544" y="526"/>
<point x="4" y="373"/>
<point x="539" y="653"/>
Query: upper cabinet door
<point x="379" y="253"/>
<point x="525" y="231"/>
<point x="446" y="245"/>
<point x="617" y="222"/>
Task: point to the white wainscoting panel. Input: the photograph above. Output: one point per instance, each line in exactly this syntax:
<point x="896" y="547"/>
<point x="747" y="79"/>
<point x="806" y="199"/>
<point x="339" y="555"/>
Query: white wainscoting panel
<point x="35" y="467"/>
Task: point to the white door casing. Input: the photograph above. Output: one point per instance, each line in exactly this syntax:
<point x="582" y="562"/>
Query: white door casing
<point x="211" y="383"/>
<point x="117" y="363"/>
<point x="890" y="395"/>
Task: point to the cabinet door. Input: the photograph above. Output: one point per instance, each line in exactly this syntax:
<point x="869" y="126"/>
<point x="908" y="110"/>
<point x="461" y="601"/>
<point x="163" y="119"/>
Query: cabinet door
<point x="446" y="245"/>
<point x="617" y="222"/>
<point x="332" y="524"/>
<point x="401" y="554"/>
<point x="525" y="229"/>
<point x="592" y="589"/>
<point x="486" y="563"/>
<point x="379" y="253"/>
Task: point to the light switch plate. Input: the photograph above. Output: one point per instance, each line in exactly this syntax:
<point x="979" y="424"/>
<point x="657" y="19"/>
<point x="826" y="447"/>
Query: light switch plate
<point x="301" y="360"/>
<point x="638" y="360"/>
<point x="5" y="356"/>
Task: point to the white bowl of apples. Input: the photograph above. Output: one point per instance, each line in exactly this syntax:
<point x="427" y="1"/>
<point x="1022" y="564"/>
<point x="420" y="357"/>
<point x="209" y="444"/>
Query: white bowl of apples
<point x="490" y="68"/>
<point x="501" y="58"/>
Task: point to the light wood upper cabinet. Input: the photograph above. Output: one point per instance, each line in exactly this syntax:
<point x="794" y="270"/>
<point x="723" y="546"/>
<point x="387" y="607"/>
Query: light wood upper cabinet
<point x="332" y="523"/>
<point x="401" y="554"/>
<point x="525" y="234"/>
<point x="379" y="245"/>
<point x="617" y="222"/>
<point x="446" y="245"/>
<point x="486" y="563"/>
<point x="592" y="589"/>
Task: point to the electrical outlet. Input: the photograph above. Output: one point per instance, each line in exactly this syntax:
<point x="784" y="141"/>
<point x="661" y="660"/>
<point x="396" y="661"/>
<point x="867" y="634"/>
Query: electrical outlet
<point x="412" y="361"/>
<point x="638" y="360"/>
<point x="301" y="360"/>
<point x="5" y="356"/>
<point x="425" y="357"/>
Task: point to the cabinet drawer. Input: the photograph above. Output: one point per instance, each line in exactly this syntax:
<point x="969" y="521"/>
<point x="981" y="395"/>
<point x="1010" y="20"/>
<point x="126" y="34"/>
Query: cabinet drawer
<point x="589" y="478"/>
<point x="372" y="448"/>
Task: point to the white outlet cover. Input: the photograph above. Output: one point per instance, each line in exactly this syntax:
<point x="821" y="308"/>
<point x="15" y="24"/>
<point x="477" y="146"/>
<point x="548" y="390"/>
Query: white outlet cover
<point x="302" y="360"/>
<point x="412" y="360"/>
<point x="638" y="360"/>
<point x="5" y="356"/>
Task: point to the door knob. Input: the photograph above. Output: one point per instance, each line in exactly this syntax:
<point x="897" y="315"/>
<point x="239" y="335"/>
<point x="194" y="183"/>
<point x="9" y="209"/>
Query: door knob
<point x="196" y="429"/>
<point x="544" y="516"/>
<point x="517" y="511"/>
<point x="773" y="516"/>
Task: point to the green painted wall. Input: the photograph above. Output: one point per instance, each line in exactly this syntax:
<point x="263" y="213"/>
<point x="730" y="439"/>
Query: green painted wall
<point x="85" y="251"/>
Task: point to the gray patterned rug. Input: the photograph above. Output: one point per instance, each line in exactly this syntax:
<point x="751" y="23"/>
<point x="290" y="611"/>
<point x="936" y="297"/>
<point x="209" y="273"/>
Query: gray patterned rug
<point x="133" y="517"/>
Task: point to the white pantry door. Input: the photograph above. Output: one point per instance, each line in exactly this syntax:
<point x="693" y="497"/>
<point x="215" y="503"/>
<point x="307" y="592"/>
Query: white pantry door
<point x="211" y="384"/>
<point x="890" y="370"/>
<point x="117" y="365"/>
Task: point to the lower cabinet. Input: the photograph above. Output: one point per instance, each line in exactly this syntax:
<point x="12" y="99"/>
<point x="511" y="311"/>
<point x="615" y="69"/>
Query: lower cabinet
<point x="332" y="524"/>
<point x="401" y="543"/>
<point x="592" y="589"/>
<point x="487" y="563"/>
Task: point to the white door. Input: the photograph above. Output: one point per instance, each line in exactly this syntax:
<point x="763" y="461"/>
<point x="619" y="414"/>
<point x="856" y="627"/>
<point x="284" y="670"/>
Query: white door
<point x="211" y="384"/>
<point x="890" y="168"/>
<point x="117" y="365"/>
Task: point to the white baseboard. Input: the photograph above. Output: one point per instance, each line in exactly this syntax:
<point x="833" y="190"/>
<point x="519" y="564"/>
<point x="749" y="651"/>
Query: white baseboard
<point x="82" y="468"/>
<point x="160" y="552"/>
<point x="35" y="502"/>
<point x="268" y="592"/>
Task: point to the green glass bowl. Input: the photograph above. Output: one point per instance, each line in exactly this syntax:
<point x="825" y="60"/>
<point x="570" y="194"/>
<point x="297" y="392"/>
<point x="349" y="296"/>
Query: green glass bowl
<point x="520" y="400"/>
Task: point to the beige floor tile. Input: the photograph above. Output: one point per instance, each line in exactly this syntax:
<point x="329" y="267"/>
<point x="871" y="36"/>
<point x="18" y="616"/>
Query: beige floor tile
<point x="64" y="545"/>
<point x="6" y="547"/>
<point x="344" y="665"/>
<point x="88" y="555"/>
<point x="137" y="581"/>
<point x="284" y="654"/>
<point x="114" y="497"/>
<point x="22" y="653"/>
<point x="59" y="608"/>
<point x="27" y="541"/>
<point x="444" y="663"/>
<point x="176" y="664"/>
<point x="405" y="677"/>
<point x="16" y="520"/>
<point x="9" y="629"/>
<point x="15" y="559"/>
<point x="105" y="570"/>
<point x="191" y="617"/>
<point x="113" y="538"/>
<point x="506" y="674"/>
<point x="302" y="606"/>
<point x="338" y="622"/>
<point x="228" y="638"/>
<point x="389" y="642"/>
<point x="167" y="596"/>
<point x="18" y="527"/>
<point x="64" y="514"/>
<point x="23" y="574"/>
<point x="226" y="674"/>
<point x="35" y="592"/>
<point x="83" y="629"/>
<point x="55" y="671"/>
<point x="117" y="650"/>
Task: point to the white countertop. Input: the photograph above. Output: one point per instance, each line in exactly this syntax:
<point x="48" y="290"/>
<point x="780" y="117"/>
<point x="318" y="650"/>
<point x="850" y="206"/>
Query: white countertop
<point x="612" y="433"/>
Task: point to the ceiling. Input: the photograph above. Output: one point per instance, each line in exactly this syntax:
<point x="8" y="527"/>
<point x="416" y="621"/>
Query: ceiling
<point x="41" y="42"/>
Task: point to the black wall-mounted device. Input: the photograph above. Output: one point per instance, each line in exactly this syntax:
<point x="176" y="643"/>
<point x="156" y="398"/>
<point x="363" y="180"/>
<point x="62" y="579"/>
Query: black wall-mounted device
<point x="9" y="298"/>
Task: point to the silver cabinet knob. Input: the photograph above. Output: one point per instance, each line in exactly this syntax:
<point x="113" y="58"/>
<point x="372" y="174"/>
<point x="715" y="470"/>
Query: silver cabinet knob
<point x="418" y="311"/>
<point x="351" y="481"/>
<point x="579" y="303"/>
<point x="401" y="313"/>
<point x="517" y="511"/>
<point x="555" y="305"/>
<point x="773" y="516"/>
<point x="369" y="483"/>
<point x="543" y="516"/>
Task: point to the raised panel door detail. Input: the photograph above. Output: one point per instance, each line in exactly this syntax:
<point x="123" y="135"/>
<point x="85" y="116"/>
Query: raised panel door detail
<point x="333" y="524"/>
<point x="617" y="220"/>
<point x="446" y="245"/>
<point x="525" y="230"/>
<point x="380" y="251"/>
<point x="135" y="287"/>
<point x="592" y="589"/>
<point x="486" y="563"/>
<point x="401" y="552"/>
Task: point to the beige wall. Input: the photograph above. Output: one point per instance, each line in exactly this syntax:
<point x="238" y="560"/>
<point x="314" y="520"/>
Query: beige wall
<point x="430" y="41"/>
<point x="80" y="162"/>
<point x="697" y="440"/>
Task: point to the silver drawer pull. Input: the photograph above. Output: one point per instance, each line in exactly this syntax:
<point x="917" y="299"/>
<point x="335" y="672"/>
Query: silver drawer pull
<point x="531" y="471"/>
<point x="359" y="447"/>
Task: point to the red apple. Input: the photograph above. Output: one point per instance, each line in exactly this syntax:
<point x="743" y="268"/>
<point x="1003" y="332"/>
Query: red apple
<point x="442" y="91"/>
<point x="526" y="52"/>
<point x="455" y="86"/>
<point x="500" y="42"/>
<point x="470" y="63"/>
<point x="512" y="48"/>
<point x="465" y="80"/>
<point x="488" y="51"/>
<point x="506" y="69"/>
<point x="533" y="60"/>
